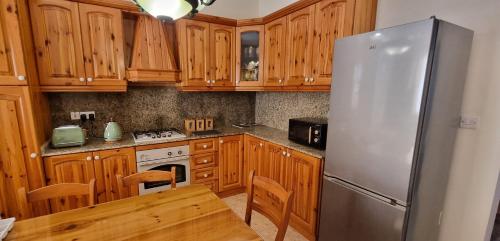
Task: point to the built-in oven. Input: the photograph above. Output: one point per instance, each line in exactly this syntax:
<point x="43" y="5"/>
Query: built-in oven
<point x="163" y="160"/>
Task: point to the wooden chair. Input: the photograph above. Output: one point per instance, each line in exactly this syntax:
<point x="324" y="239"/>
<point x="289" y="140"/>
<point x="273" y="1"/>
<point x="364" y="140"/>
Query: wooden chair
<point x="148" y="176"/>
<point x="278" y="213"/>
<point x="54" y="191"/>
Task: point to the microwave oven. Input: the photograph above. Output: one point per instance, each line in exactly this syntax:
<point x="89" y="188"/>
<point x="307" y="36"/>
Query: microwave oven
<point x="308" y="131"/>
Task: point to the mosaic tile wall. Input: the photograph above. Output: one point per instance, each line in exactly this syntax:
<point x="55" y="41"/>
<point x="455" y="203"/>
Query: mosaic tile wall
<point x="144" y="108"/>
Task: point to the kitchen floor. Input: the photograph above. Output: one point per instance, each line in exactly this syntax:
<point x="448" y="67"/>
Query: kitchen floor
<point x="260" y="224"/>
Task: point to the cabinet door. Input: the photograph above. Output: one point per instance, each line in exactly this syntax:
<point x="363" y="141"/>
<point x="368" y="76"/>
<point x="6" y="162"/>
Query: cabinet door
<point x="12" y="68"/>
<point x="102" y="36"/>
<point x="254" y="156"/>
<point x="334" y="19"/>
<point x="58" y="43"/>
<point x="230" y="162"/>
<point x="12" y="158"/>
<point x="273" y="164"/>
<point x="222" y="51"/>
<point x="110" y="163"/>
<point x="275" y="52"/>
<point x="249" y="57"/>
<point x="194" y="42"/>
<point x="299" y="39"/>
<point x="303" y="175"/>
<point x="73" y="168"/>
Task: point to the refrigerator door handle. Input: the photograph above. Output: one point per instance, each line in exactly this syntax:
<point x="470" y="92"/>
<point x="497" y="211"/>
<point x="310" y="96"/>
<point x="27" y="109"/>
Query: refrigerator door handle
<point x="362" y="191"/>
<point x="310" y="134"/>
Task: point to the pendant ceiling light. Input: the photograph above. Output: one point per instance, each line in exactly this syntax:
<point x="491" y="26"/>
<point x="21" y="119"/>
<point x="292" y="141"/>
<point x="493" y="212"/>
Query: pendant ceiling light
<point x="172" y="9"/>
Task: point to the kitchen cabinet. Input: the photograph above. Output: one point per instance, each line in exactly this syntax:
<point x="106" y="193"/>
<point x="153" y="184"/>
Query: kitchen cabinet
<point x="107" y="165"/>
<point x="299" y="38"/>
<point x="333" y="20"/>
<point x="206" y="53"/>
<point x="73" y="168"/>
<point x="103" y="166"/>
<point x="302" y="174"/>
<point x="275" y="52"/>
<point x="12" y="65"/>
<point x="204" y="163"/>
<point x="230" y="163"/>
<point x="274" y="162"/>
<point x="20" y="162"/>
<point x="249" y="57"/>
<point x="254" y="156"/>
<point x="79" y="47"/>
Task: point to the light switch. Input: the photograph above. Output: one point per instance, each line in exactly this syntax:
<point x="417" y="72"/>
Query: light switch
<point x="75" y="115"/>
<point x="469" y="122"/>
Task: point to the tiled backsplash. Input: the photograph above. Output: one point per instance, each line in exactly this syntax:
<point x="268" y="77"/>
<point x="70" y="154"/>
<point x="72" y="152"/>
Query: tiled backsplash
<point x="143" y="108"/>
<point x="274" y="109"/>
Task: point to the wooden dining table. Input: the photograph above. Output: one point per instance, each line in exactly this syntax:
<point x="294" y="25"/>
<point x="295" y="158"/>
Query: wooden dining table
<point x="187" y="213"/>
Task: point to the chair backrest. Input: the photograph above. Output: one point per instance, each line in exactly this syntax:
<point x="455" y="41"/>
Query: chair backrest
<point x="54" y="191"/>
<point x="147" y="176"/>
<point x="276" y="205"/>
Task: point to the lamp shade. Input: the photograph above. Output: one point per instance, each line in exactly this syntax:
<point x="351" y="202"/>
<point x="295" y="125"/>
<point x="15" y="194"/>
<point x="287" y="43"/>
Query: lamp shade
<point x="170" y="9"/>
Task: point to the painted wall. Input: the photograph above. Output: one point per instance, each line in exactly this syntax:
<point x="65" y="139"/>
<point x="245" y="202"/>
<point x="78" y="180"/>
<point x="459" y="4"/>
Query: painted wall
<point x="268" y="6"/>
<point x="242" y="9"/>
<point x="477" y="153"/>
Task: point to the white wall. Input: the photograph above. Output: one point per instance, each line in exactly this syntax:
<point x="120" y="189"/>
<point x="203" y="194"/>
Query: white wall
<point x="476" y="164"/>
<point x="242" y="9"/>
<point x="268" y="6"/>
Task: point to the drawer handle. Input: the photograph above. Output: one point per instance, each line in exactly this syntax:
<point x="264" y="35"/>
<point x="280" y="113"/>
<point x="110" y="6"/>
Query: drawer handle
<point x="89" y="158"/>
<point x="284" y="153"/>
<point x="205" y="175"/>
<point x="205" y="146"/>
<point x="205" y="161"/>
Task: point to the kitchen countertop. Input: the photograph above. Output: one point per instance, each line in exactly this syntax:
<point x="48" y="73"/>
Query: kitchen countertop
<point x="263" y="132"/>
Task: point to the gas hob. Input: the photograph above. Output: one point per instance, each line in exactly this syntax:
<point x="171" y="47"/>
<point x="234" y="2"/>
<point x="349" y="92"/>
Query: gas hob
<point x="157" y="135"/>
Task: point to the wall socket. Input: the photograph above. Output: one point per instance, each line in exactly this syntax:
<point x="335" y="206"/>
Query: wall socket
<point x="469" y="122"/>
<point x="76" y="115"/>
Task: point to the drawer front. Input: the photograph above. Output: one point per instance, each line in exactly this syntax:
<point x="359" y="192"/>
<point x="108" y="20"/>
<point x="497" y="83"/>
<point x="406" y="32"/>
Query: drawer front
<point x="203" y="161"/>
<point x="204" y="175"/>
<point x="213" y="185"/>
<point x="203" y="146"/>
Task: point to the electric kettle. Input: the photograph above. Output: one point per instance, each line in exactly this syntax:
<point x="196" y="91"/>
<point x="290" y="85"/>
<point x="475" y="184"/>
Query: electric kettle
<point x="112" y="132"/>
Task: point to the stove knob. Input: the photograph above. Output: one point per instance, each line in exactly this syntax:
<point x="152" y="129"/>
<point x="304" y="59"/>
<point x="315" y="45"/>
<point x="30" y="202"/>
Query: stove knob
<point x="153" y="137"/>
<point x="316" y="132"/>
<point x="316" y="139"/>
<point x="169" y="153"/>
<point x="159" y="135"/>
<point x="163" y="135"/>
<point x="180" y="152"/>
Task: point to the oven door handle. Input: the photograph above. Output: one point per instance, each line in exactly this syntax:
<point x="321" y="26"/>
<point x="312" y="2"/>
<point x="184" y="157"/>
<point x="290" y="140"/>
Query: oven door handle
<point x="151" y="163"/>
<point x="310" y="134"/>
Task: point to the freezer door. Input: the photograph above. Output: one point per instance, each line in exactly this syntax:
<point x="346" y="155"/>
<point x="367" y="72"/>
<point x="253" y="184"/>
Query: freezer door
<point x="379" y="82"/>
<point x="348" y="214"/>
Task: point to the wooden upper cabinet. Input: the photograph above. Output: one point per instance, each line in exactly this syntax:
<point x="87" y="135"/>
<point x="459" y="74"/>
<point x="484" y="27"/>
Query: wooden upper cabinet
<point x="222" y="53"/>
<point x="334" y="20"/>
<point x="102" y="35"/>
<point x="12" y="66"/>
<point x="275" y="52"/>
<point x="249" y="56"/>
<point x="153" y="53"/>
<point x="58" y="42"/>
<point x="230" y="162"/>
<point x="110" y="163"/>
<point x="73" y="168"/>
<point x="300" y="39"/>
<point x="194" y="44"/>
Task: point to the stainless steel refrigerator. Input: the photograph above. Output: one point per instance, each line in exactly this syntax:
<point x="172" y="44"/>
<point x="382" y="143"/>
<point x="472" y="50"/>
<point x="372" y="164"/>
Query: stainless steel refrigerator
<point x="394" y="113"/>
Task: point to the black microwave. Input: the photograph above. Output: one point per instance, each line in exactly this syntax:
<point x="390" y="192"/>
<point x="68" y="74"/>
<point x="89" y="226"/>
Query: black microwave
<point x="308" y="131"/>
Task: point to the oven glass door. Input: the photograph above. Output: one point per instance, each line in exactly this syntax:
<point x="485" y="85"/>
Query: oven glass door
<point x="180" y="175"/>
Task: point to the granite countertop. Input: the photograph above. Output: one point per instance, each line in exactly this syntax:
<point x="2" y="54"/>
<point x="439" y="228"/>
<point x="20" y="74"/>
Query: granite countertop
<point x="263" y="132"/>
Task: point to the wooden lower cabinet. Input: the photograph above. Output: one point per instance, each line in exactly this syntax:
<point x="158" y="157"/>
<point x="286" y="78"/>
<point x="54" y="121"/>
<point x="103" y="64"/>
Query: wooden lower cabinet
<point x="230" y="162"/>
<point x="295" y="171"/>
<point x="82" y="167"/>
<point x="73" y="168"/>
<point x="110" y="163"/>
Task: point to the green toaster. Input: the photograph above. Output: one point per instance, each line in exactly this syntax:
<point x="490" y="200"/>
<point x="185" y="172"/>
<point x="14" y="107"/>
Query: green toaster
<point x="66" y="136"/>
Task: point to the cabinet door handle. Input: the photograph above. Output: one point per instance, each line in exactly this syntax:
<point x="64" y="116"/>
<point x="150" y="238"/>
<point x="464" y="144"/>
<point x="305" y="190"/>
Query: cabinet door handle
<point x="288" y="154"/>
<point x="96" y="158"/>
<point x="311" y="79"/>
<point x="306" y="79"/>
<point x="205" y="146"/>
<point x="205" y="175"/>
<point x="21" y="77"/>
<point x="205" y="161"/>
<point x="89" y="158"/>
<point x="33" y="155"/>
<point x="279" y="81"/>
<point x="221" y="141"/>
<point x="284" y="153"/>
<point x="82" y="79"/>
<point x="261" y="145"/>
<point x="89" y="79"/>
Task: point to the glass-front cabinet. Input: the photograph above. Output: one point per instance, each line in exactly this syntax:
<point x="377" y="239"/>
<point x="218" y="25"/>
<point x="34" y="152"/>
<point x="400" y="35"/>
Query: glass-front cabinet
<point x="249" y="48"/>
